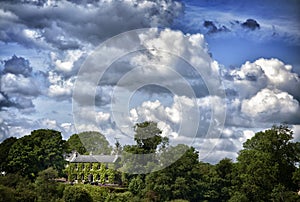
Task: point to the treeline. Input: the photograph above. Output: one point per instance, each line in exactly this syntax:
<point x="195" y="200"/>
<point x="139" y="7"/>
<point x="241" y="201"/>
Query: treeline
<point x="267" y="169"/>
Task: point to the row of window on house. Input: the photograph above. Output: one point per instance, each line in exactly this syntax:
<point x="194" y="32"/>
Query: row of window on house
<point x="90" y="177"/>
<point x="83" y="166"/>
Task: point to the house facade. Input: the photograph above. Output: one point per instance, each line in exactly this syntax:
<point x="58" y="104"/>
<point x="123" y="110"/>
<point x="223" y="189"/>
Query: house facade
<point x="91" y="168"/>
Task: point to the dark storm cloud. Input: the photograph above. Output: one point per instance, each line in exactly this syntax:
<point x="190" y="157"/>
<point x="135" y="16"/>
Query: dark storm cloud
<point x="4" y="101"/>
<point x="251" y="24"/>
<point x="17" y="65"/>
<point x="66" y="25"/>
<point x="17" y="78"/>
<point x="17" y="102"/>
<point x="19" y="84"/>
<point x="212" y="28"/>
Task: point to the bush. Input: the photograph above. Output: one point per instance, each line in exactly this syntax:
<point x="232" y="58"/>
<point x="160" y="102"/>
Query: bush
<point x="6" y="194"/>
<point x="76" y="194"/>
<point x="120" y="197"/>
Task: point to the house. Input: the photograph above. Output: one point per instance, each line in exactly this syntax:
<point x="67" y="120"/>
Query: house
<point x="91" y="168"/>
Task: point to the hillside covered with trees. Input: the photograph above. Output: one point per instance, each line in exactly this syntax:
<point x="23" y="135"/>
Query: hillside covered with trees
<point x="266" y="169"/>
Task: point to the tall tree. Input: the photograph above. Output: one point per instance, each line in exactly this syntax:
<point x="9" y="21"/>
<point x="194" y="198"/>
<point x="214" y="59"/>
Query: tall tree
<point x="46" y="186"/>
<point x="4" y="151"/>
<point x="177" y="181"/>
<point x="147" y="136"/>
<point x="74" y="144"/>
<point x="95" y="142"/>
<point x="268" y="160"/>
<point x="41" y="149"/>
<point x="142" y="157"/>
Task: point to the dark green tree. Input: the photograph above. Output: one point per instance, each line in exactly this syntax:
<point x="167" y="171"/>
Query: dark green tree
<point x="136" y="185"/>
<point x="76" y="194"/>
<point x="147" y="136"/>
<point x="177" y="181"/>
<point x="36" y="152"/>
<point x="223" y="178"/>
<point x="21" y="187"/>
<point x="95" y="142"/>
<point x="6" y="194"/>
<point x="148" y="140"/>
<point x="74" y="144"/>
<point x="45" y="185"/>
<point x="4" y="151"/>
<point x="268" y="160"/>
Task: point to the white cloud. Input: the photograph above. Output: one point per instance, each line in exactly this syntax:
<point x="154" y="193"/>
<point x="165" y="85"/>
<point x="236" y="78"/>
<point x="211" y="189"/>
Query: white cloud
<point x="247" y="134"/>
<point x="48" y="123"/>
<point x="60" y="87"/>
<point x="296" y="135"/>
<point x="270" y="104"/>
<point x="58" y="25"/>
<point x="265" y="73"/>
<point x="67" y="63"/>
<point x="12" y="83"/>
<point x="168" y="49"/>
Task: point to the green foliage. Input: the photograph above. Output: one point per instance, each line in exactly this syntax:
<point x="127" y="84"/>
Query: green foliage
<point x="45" y="185"/>
<point x="74" y="144"/>
<point x="136" y="185"/>
<point x="148" y="141"/>
<point x="36" y="152"/>
<point x="4" y="151"/>
<point x="268" y="161"/>
<point x="76" y="194"/>
<point x="265" y="171"/>
<point x="121" y="197"/>
<point x="85" y="169"/>
<point x="238" y="197"/>
<point x="6" y="194"/>
<point x="23" y="189"/>
<point x="147" y="136"/>
<point x="94" y="142"/>
<point x="179" y="180"/>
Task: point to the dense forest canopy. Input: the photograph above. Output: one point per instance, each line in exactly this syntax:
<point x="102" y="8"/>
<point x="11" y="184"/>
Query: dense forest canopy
<point x="266" y="169"/>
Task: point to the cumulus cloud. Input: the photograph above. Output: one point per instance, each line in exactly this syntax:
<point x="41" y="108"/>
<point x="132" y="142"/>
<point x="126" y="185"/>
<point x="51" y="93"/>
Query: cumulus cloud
<point x="171" y="59"/>
<point x="265" y="73"/>
<point x="20" y="84"/>
<point x="17" y="65"/>
<point x="259" y="93"/>
<point x="271" y="105"/>
<point x="66" y="64"/>
<point x="55" y="24"/>
<point x="59" y="87"/>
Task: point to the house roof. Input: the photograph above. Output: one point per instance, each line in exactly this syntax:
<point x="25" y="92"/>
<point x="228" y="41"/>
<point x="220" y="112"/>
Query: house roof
<point x="77" y="158"/>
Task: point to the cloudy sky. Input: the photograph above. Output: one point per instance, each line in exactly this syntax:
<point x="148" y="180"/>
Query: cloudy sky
<point x="211" y="73"/>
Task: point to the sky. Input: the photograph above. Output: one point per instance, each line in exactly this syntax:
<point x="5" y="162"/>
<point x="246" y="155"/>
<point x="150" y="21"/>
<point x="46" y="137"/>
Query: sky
<point x="211" y="73"/>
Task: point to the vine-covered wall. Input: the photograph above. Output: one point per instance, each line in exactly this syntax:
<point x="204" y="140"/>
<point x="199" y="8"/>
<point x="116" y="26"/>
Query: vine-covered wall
<point x="82" y="172"/>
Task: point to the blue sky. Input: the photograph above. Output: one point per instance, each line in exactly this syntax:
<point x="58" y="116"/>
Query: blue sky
<point x="211" y="73"/>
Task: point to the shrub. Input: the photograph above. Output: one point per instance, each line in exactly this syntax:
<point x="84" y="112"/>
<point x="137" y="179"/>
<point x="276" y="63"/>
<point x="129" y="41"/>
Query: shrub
<point x="76" y="194"/>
